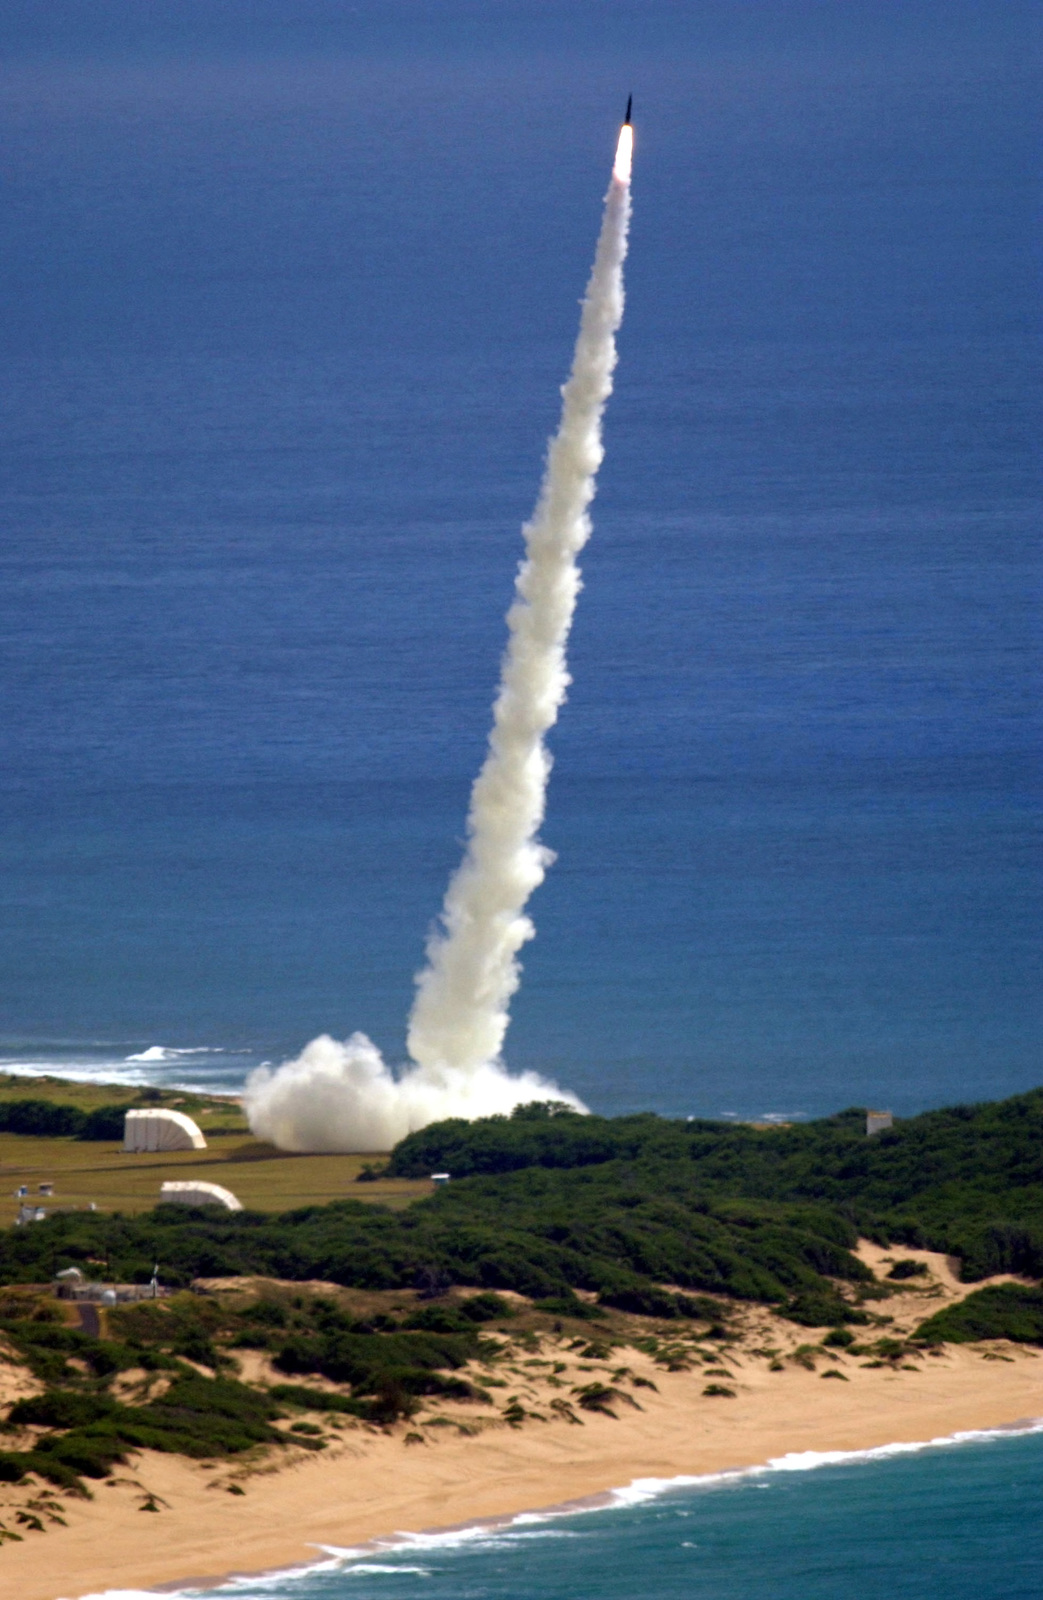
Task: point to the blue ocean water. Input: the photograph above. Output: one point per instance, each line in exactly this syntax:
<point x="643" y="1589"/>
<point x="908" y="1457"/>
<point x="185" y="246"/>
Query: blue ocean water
<point x="287" y="294"/>
<point x="950" y="1522"/>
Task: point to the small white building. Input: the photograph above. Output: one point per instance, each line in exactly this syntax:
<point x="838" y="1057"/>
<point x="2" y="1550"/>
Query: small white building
<point x="161" y="1130"/>
<point x="198" y="1194"/>
<point x="72" y="1285"/>
<point x="439" y="1179"/>
<point x="878" y="1122"/>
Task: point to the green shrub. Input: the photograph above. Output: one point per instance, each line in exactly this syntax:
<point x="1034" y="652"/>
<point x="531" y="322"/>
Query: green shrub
<point x="298" y="1394"/>
<point x="485" y="1307"/>
<point x="366" y="1360"/>
<point x="439" y="1319"/>
<point x="104" y="1123"/>
<point x="62" y="1408"/>
<point x="907" y="1269"/>
<point x="598" y="1397"/>
<point x="17" y="1464"/>
<point x="14" y="1464"/>
<point x="815" y="1310"/>
<point x="46" y="1346"/>
<point x="268" y="1313"/>
<point x="250" y="1339"/>
<point x="41" y="1119"/>
<point x="196" y="1416"/>
<point x="89" y="1452"/>
<point x="194" y="1345"/>
<point x="1004" y="1311"/>
<point x="645" y="1301"/>
<point x="570" y="1305"/>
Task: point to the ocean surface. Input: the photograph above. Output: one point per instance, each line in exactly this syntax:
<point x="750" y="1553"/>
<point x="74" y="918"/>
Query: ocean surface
<point x="952" y="1521"/>
<point x="286" y="295"/>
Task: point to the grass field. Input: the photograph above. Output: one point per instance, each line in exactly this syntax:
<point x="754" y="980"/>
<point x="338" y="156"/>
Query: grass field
<point x="263" y="1178"/>
<point x="210" y="1111"/>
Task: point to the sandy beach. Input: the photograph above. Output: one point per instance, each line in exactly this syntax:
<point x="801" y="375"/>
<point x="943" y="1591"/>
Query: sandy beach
<point x="457" y="1465"/>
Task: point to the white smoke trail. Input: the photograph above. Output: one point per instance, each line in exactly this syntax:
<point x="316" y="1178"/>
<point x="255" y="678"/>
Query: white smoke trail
<point x="461" y="1012"/>
<point x="343" y="1096"/>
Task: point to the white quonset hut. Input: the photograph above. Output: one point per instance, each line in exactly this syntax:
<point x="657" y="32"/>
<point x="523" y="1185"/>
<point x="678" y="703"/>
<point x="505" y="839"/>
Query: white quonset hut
<point x="161" y="1130"/>
<point x="198" y="1194"/>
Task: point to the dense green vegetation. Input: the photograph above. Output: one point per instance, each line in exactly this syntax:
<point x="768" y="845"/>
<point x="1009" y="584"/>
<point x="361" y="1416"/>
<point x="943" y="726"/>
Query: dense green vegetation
<point x="1002" y="1311"/>
<point x="623" y="1207"/>
<point x="668" y="1219"/>
<point x="967" y="1180"/>
<point x="46" y="1119"/>
<point x="544" y="1234"/>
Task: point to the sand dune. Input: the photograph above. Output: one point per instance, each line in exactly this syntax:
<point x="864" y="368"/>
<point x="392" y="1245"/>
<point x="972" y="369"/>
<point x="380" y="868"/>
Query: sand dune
<point x="460" y="1463"/>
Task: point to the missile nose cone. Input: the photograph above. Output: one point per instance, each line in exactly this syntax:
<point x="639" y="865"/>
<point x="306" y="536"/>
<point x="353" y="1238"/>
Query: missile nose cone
<point x="630" y="102"/>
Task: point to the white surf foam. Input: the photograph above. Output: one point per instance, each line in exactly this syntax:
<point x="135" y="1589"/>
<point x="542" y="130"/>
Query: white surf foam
<point x="513" y="1531"/>
<point x="205" y="1069"/>
<point x="163" y="1052"/>
<point x="641" y="1490"/>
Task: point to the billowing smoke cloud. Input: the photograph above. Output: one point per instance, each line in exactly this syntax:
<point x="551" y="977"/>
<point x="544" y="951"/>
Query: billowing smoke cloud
<point x="343" y="1096"/>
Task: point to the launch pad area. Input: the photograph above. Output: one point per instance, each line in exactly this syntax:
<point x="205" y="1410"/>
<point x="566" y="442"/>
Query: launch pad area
<point x="99" y="1173"/>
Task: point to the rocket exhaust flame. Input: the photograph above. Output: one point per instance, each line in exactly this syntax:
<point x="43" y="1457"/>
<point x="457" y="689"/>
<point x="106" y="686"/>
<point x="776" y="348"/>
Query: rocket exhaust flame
<point x="343" y="1096"/>
<point x="624" y="154"/>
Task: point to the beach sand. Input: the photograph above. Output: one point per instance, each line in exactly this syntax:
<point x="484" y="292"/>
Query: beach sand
<point x="370" y="1484"/>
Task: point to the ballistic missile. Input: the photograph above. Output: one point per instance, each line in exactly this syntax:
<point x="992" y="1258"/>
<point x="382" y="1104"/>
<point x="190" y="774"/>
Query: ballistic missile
<point x="624" y="148"/>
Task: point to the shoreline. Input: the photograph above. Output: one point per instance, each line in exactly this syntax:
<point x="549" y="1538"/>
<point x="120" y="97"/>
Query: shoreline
<point x="639" y="1491"/>
<point x="466" y="1466"/>
<point x="371" y="1492"/>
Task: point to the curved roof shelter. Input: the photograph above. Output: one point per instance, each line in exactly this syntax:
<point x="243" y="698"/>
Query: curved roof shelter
<point x="198" y="1194"/>
<point x="161" y="1130"/>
